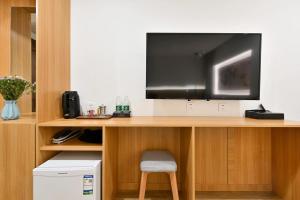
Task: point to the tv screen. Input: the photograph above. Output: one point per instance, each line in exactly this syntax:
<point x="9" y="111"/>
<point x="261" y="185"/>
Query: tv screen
<point x="203" y="66"/>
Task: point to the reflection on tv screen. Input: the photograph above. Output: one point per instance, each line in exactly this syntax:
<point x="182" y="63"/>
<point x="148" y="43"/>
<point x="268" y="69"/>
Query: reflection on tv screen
<point x="203" y="66"/>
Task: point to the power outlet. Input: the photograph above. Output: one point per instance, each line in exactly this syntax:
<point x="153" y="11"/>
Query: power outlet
<point x="221" y="107"/>
<point x="189" y="106"/>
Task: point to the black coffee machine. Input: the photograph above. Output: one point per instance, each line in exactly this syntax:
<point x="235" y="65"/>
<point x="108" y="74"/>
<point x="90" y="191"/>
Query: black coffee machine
<point x="70" y="104"/>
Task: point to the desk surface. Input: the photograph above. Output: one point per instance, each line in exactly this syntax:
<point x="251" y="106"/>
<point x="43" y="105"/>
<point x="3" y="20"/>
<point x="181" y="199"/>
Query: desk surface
<point x="171" y="122"/>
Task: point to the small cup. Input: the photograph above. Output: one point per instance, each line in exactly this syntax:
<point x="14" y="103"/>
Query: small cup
<point x="91" y="113"/>
<point x="102" y="110"/>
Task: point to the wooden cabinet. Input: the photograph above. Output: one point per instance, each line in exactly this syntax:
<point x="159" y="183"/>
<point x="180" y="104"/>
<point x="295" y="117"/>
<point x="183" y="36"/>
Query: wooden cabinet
<point x="233" y="159"/>
<point x="249" y="156"/>
<point x="218" y="158"/>
<point x="17" y="159"/>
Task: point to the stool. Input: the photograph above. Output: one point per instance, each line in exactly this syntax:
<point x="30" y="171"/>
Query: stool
<point x="156" y="162"/>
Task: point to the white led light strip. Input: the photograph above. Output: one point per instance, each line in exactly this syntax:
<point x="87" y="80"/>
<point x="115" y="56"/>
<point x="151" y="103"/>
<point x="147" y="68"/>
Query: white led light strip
<point x="188" y="87"/>
<point x="226" y="63"/>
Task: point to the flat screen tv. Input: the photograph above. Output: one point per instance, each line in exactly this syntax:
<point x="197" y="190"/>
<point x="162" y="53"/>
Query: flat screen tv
<point x="203" y="66"/>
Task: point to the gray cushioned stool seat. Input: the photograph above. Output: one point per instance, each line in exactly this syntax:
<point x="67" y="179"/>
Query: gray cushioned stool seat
<point x="158" y="161"/>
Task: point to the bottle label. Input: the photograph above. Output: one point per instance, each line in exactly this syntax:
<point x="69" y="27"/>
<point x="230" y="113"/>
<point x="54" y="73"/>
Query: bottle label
<point x="126" y="108"/>
<point x="118" y="108"/>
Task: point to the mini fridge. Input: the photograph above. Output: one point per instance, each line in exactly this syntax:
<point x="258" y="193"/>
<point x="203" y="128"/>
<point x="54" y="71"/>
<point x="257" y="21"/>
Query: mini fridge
<point x="69" y="176"/>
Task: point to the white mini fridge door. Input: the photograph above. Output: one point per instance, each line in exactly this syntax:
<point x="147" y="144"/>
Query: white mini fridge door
<point x="66" y="185"/>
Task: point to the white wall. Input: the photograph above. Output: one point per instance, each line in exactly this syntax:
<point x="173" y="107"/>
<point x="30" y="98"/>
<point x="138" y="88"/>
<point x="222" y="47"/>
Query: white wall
<point x="109" y="49"/>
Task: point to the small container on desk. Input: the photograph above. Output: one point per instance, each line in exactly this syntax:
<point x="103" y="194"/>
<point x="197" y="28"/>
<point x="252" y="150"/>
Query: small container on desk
<point x="122" y="114"/>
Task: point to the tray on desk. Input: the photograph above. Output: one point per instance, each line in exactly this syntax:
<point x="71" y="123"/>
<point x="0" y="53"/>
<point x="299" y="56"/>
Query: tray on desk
<point x="95" y="117"/>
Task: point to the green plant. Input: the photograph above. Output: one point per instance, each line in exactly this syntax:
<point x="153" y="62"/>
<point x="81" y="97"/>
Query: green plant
<point x="12" y="87"/>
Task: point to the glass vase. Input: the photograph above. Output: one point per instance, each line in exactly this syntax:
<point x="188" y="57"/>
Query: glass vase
<point x="10" y="111"/>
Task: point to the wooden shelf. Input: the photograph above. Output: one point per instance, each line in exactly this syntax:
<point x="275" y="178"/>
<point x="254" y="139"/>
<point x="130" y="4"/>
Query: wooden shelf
<point x="72" y="145"/>
<point x="25" y="118"/>
<point x="236" y="196"/>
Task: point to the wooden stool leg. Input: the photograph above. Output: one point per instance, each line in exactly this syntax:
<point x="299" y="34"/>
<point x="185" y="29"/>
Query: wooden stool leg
<point x="174" y="185"/>
<point x="143" y="185"/>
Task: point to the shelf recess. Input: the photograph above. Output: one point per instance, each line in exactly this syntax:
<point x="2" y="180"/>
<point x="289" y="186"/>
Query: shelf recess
<point x="72" y="145"/>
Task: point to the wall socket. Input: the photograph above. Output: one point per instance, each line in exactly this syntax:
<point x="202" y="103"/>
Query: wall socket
<point x="221" y="107"/>
<point x="189" y="106"/>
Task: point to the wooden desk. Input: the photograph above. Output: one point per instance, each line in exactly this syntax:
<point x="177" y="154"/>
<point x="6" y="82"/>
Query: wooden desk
<point x="171" y="122"/>
<point x="212" y="153"/>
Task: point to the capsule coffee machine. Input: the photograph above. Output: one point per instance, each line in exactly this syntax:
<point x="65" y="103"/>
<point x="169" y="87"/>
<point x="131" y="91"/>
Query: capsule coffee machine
<point x="71" y="104"/>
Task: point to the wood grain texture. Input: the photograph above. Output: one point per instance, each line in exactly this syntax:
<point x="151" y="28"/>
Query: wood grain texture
<point x="174" y="185"/>
<point x="143" y="184"/>
<point x="285" y="162"/>
<point x="43" y="138"/>
<point x="249" y="156"/>
<point x="110" y="163"/>
<point x="123" y="148"/>
<point x="5" y="12"/>
<point x="187" y="161"/>
<point x="72" y="145"/>
<point x="21" y="51"/>
<point x="28" y="118"/>
<point x="249" y="153"/>
<point x="5" y="32"/>
<point x="23" y="3"/>
<point x="211" y="156"/>
<point x="17" y="158"/>
<point x="155" y="121"/>
<point x="53" y="57"/>
<point x="133" y="141"/>
<point x="296" y="187"/>
<point x="150" y="195"/>
<point x="158" y="195"/>
<point x="3" y="158"/>
<point x="234" y="187"/>
<point x="237" y="196"/>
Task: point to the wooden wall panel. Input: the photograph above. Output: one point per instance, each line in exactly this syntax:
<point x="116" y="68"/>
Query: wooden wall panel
<point x="4" y="37"/>
<point x="110" y="163"/>
<point x="296" y="188"/>
<point x="3" y="154"/>
<point x="129" y="155"/>
<point x="23" y="3"/>
<point x="17" y="154"/>
<point x="17" y="150"/>
<point x="249" y="156"/>
<point x="21" y="51"/>
<point x="286" y="162"/>
<point x="283" y="146"/>
<point x="134" y="142"/>
<point x="53" y="57"/>
<point x="187" y="162"/>
<point x="5" y="30"/>
<point x="211" y="157"/>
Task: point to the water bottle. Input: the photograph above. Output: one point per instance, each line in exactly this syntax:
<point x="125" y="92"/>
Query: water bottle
<point x="126" y="107"/>
<point x="118" y="104"/>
